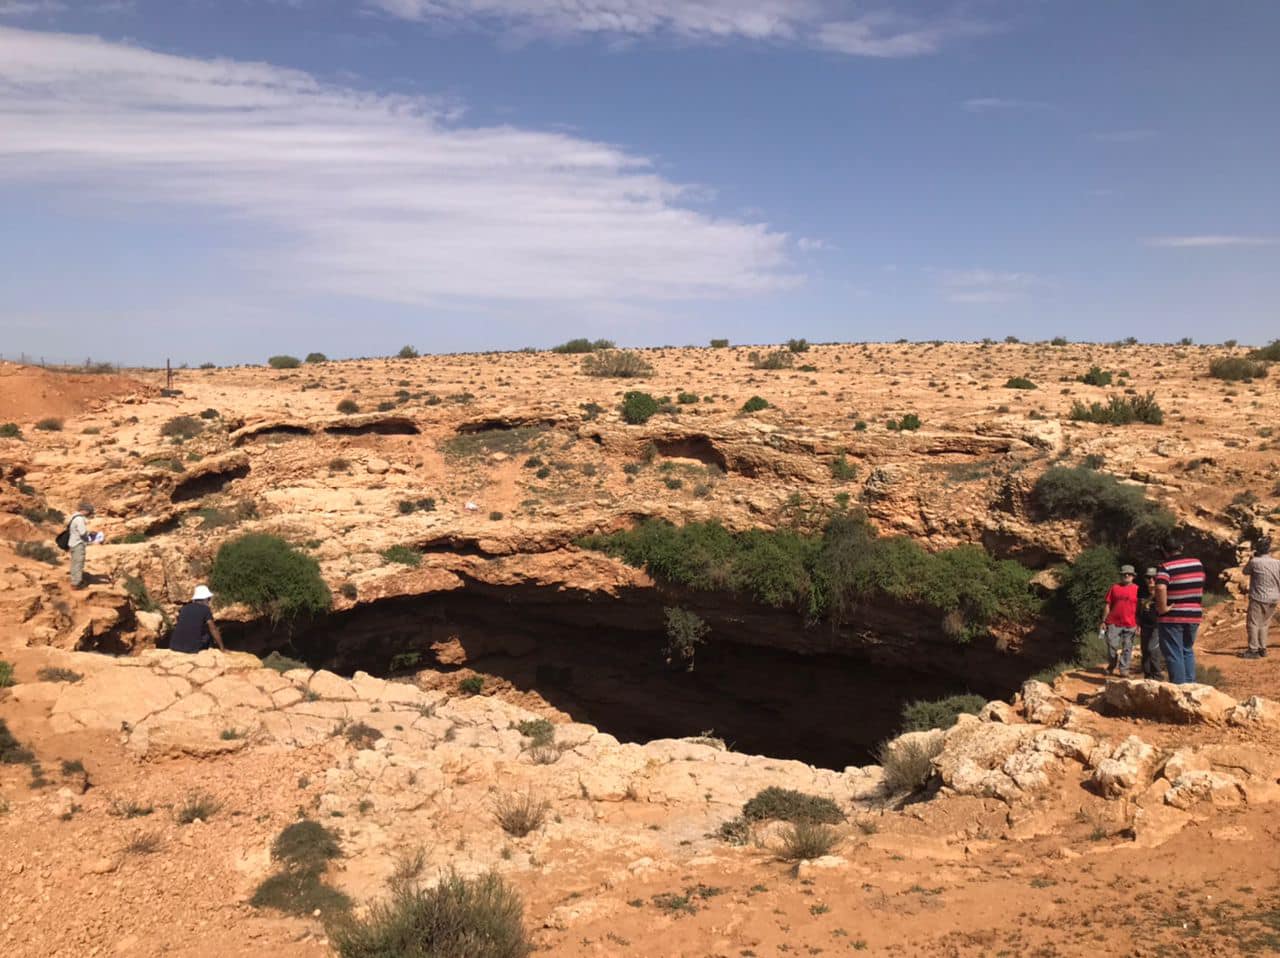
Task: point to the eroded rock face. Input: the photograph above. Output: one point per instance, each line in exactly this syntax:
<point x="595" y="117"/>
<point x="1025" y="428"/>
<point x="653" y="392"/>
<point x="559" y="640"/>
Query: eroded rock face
<point x="1164" y="702"/>
<point x="1128" y="767"/>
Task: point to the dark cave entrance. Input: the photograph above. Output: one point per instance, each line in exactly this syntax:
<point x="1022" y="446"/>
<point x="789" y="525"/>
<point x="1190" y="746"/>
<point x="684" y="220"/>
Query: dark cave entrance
<point x="763" y="682"/>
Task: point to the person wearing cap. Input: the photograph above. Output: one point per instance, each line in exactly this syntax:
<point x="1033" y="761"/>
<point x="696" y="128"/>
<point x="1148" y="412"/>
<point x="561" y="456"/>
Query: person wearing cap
<point x="78" y="537"/>
<point x="1148" y="617"/>
<point x="1264" y="597"/>
<point x="195" y="629"/>
<point x="1120" y="622"/>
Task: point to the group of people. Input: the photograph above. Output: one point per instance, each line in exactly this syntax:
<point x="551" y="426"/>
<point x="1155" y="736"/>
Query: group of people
<point x="1164" y="613"/>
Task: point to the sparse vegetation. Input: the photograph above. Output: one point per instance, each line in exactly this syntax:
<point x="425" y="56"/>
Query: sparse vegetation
<point x="1019" y="382"/>
<point x="802" y="841"/>
<point x="471" y="685"/>
<point x="685" y="632"/>
<point x="1096" y="376"/>
<point x="10" y="430"/>
<point x="284" y="362"/>
<point x="360" y="735"/>
<point x="38" y="551"/>
<point x="51" y="673"/>
<point x="1236" y="368"/>
<point x="1120" y="411"/>
<point x="348" y="407"/>
<point x="798" y="345"/>
<point x="908" y="763"/>
<point x="270" y="576"/>
<point x="616" y="364"/>
<point x="405" y="555"/>
<point x="317" y="358"/>
<point x="719" y="344"/>
<point x="197" y="805"/>
<point x="520" y="813"/>
<point x="50" y="424"/>
<point x="182" y="427"/>
<point x="458" y="917"/>
<point x="832" y="573"/>
<point x="1269" y="353"/>
<point x="923" y="714"/>
<point x="6" y="674"/>
<point x="638" y="408"/>
<point x="539" y="731"/>
<point x="909" y="422"/>
<point x="842" y="470"/>
<point x="407" y="352"/>
<point x="755" y="404"/>
<point x="787" y="805"/>
<point x="584" y="346"/>
<point x="1116" y="512"/>
<point x="778" y="359"/>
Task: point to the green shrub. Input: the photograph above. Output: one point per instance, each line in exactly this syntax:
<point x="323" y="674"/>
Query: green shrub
<point x="1019" y="382"/>
<point x="1096" y="376"/>
<point x="209" y="414"/>
<point x="196" y="805"/>
<point x="1235" y="368"/>
<point x="909" y="422"/>
<point x="51" y="424"/>
<point x="519" y="813"/>
<point x="798" y="345"/>
<point x="270" y="576"/>
<point x="1086" y="583"/>
<point x="831" y="574"/>
<point x="52" y="673"/>
<point x="1059" y="341"/>
<point x="317" y="358"/>
<point x="719" y="344"/>
<point x="1115" y="512"/>
<point x="471" y="685"/>
<point x="405" y="555"/>
<point x="755" y="404"/>
<point x="10" y="430"/>
<point x="638" y="407"/>
<point x="182" y="427"/>
<point x="1120" y="411"/>
<point x="583" y="346"/>
<point x="616" y="364"/>
<point x="1269" y="353"/>
<point x="922" y="715"/>
<point x="458" y="918"/>
<point x="686" y="399"/>
<point x="348" y="406"/>
<point x="282" y="663"/>
<point x="407" y="352"/>
<point x="803" y="841"/>
<point x="685" y="632"/>
<point x="6" y="674"/>
<point x="284" y="362"/>
<point x="38" y="551"/>
<point x="907" y="764"/>
<point x="540" y="731"/>
<point x="842" y="470"/>
<point x="788" y="805"/>
<point x="778" y="359"/>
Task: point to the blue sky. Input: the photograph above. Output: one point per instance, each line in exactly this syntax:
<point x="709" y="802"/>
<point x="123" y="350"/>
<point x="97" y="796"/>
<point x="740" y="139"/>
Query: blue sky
<point x="219" y="180"/>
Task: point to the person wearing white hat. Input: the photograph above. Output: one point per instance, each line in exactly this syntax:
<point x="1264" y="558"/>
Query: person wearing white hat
<point x="195" y="629"/>
<point x="1120" y="622"/>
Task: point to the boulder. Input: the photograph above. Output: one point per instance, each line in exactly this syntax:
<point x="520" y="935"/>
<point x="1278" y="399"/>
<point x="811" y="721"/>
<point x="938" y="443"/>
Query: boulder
<point x="1163" y="702"/>
<point x="1217" y="788"/>
<point x="1255" y="711"/>
<point x="974" y="755"/>
<point x="1040" y="703"/>
<point x="1128" y="767"/>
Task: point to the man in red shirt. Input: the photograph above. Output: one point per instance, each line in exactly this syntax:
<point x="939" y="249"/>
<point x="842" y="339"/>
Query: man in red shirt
<point x="1120" y="622"/>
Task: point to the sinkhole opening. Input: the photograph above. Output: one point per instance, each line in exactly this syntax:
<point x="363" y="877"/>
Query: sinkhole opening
<point x="762" y="681"/>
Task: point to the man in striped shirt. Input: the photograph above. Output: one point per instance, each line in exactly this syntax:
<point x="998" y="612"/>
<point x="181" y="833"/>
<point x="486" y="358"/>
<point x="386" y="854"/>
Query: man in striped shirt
<point x="1179" y="590"/>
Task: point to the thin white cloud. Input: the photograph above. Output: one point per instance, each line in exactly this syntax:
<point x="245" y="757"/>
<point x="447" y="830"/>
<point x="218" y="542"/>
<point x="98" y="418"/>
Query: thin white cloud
<point x="838" y="25"/>
<point x="984" y="285"/>
<point x="1211" y="240"/>
<point x="998" y="104"/>
<point x="29" y="8"/>
<point x="376" y="196"/>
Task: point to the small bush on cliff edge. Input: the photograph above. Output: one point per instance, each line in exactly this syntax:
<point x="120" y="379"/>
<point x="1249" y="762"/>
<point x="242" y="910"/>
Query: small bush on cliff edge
<point x="922" y="715"/>
<point x="270" y="576"/>
<point x="479" y="917"/>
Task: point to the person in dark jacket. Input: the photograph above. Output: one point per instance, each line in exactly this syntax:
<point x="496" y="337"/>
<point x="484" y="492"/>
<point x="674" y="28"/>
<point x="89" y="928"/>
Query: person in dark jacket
<point x="1152" y="660"/>
<point x="195" y="629"/>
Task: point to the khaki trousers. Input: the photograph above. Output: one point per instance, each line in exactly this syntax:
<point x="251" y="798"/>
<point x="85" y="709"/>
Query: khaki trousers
<point x="1260" y="615"/>
<point x="77" y="564"/>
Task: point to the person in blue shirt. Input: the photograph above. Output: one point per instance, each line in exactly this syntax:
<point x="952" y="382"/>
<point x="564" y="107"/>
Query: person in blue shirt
<point x="195" y="629"/>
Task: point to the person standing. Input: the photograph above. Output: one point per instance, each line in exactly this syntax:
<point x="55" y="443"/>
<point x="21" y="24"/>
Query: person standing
<point x="78" y="538"/>
<point x="1179" y="593"/>
<point x="1152" y="661"/>
<point x="195" y="629"/>
<point x="1120" y="622"/>
<point x="1264" y="597"/>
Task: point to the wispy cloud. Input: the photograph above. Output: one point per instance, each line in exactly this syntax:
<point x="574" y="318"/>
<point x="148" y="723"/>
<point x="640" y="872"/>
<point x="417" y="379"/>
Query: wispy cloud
<point x="838" y="25"/>
<point x="984" y="285"/>
<point x="1124" y="136"/>
<point x="376" y="196"/>
<point x="1211" y="240"/>
<point x="29" y="8"/>
<point x="997" y="104"/>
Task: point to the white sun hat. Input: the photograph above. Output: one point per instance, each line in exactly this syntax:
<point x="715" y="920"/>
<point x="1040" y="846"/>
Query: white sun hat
<point x="201" y="592"/>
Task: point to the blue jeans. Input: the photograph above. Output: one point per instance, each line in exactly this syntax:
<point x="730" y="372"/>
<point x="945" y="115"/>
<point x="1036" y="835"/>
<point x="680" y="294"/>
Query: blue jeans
<point x="1178" y="643"/>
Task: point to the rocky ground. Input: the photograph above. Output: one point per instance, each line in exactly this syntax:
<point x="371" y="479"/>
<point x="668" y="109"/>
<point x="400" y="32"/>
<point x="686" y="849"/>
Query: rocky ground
<point x="1094" y="816"/>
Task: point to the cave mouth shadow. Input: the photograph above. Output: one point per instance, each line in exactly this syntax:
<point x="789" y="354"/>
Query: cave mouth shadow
<point x="602" y="661"/>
